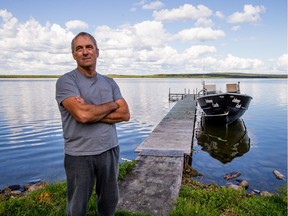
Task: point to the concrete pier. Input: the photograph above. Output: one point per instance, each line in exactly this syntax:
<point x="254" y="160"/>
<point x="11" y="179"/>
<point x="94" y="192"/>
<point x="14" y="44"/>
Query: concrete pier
<point x="153" y="186"/>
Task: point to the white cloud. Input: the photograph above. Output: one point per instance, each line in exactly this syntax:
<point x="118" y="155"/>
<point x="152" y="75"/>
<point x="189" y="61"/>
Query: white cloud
<point x="161" y="55"/>
<point x="235" y="28"/>
<point x="146" y="34"/>
<point x="233" y="63"/>
<point x="140" y="44"/>
<point x="204" y="22"/>
<point x="219" y="14"/>
<point x="198" y="51"/>
<point x="8" y="28"/>
<point x="282" y="63"/>
<point x="153" y="5"/>
<point x="133" y="9"/>
<point x="250" y="14"/>
<point x="31" y="48"/>
<point x="185" y="12"/>
<point x="76" y="24"/>
<point x="147" y="47"/>
<point x="200" y="34"/>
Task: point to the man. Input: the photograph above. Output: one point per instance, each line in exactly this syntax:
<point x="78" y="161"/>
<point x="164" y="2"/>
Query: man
<point x="90" y="104"/>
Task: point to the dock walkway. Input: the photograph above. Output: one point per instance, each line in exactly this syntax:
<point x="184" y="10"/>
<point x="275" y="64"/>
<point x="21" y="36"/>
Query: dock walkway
<point x="153" y="185"/>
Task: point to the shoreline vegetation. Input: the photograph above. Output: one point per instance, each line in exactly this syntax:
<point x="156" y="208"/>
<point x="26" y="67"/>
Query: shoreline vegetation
<point x="205" y="75"/>
<point x="194" y="198"/>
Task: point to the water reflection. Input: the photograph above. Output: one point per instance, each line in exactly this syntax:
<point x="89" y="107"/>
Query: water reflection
<point x="31" y="141"/>
<point x="223" y="142"/>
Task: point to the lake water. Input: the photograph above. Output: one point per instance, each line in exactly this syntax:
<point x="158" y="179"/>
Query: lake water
<point x="31" y="143"/>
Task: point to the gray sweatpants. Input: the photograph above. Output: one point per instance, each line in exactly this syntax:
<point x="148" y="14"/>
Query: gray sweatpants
<point x="82" y="172"/>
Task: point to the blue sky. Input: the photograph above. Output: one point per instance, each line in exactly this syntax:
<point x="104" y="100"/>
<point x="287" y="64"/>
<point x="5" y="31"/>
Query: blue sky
<point x="146" y="37"/>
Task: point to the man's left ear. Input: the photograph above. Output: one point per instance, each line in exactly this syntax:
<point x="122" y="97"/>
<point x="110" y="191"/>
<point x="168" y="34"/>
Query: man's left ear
<point x="97" y="52"/>
<point x="73" y="56"/>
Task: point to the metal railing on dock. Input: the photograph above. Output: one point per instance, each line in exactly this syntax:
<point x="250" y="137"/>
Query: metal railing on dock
<point x="180" y="96"/>
<point x="176" y="96"/>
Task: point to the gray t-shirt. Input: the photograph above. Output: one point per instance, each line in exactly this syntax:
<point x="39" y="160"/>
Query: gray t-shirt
<point x="90" y="138"/>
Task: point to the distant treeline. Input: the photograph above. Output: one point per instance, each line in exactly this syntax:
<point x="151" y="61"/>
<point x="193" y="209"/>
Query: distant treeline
<point x="206" y="75"/>
<point x="29" y="76"/>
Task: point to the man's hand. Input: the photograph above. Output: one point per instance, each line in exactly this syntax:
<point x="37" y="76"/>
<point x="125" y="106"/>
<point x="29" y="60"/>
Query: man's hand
<point x="118" y="115"/>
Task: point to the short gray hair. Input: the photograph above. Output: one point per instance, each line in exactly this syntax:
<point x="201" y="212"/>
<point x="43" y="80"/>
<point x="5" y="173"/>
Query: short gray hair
<point x="83" y="34"/>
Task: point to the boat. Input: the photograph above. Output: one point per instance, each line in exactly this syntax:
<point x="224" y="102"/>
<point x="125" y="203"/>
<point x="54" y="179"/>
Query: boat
<point x="223" y="107"/>
<point x="223" y="142"/>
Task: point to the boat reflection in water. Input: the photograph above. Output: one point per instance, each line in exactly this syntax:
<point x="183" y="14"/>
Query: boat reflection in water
<point x="223" y="142"/>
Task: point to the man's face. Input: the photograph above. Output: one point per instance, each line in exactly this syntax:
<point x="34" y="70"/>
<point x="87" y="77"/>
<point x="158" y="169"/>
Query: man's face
<point x="84" y="52"/>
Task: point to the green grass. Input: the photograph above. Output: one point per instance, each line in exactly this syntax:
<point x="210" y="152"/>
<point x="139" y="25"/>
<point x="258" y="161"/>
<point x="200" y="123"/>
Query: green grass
<point x="48" y="201"/>
<point x="194" y="199"/>
<point x="199" y="199"/>
<point x="51" y="200"/>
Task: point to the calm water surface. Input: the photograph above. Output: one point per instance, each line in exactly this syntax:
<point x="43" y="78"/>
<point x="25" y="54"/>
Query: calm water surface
<point x="31" y="143"/>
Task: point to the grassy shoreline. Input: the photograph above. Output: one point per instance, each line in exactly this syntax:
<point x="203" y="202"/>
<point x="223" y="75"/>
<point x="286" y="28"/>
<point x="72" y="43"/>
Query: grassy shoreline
<point x="194" y="199"/>
<point x="207" y="75"/>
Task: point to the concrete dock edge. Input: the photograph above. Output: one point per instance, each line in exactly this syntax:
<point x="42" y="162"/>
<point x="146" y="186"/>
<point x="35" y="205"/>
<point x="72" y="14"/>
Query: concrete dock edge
<point x="153" y="185"/>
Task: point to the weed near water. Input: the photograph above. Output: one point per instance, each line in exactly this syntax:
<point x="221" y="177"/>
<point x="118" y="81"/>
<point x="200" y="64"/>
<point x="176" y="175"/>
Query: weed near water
<point x="198" y="199"/>
<point x="194" y="199"/>
<point x="49" y="201"/>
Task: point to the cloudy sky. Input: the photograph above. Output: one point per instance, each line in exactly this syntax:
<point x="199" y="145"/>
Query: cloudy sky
<point x="146" y="37"/>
